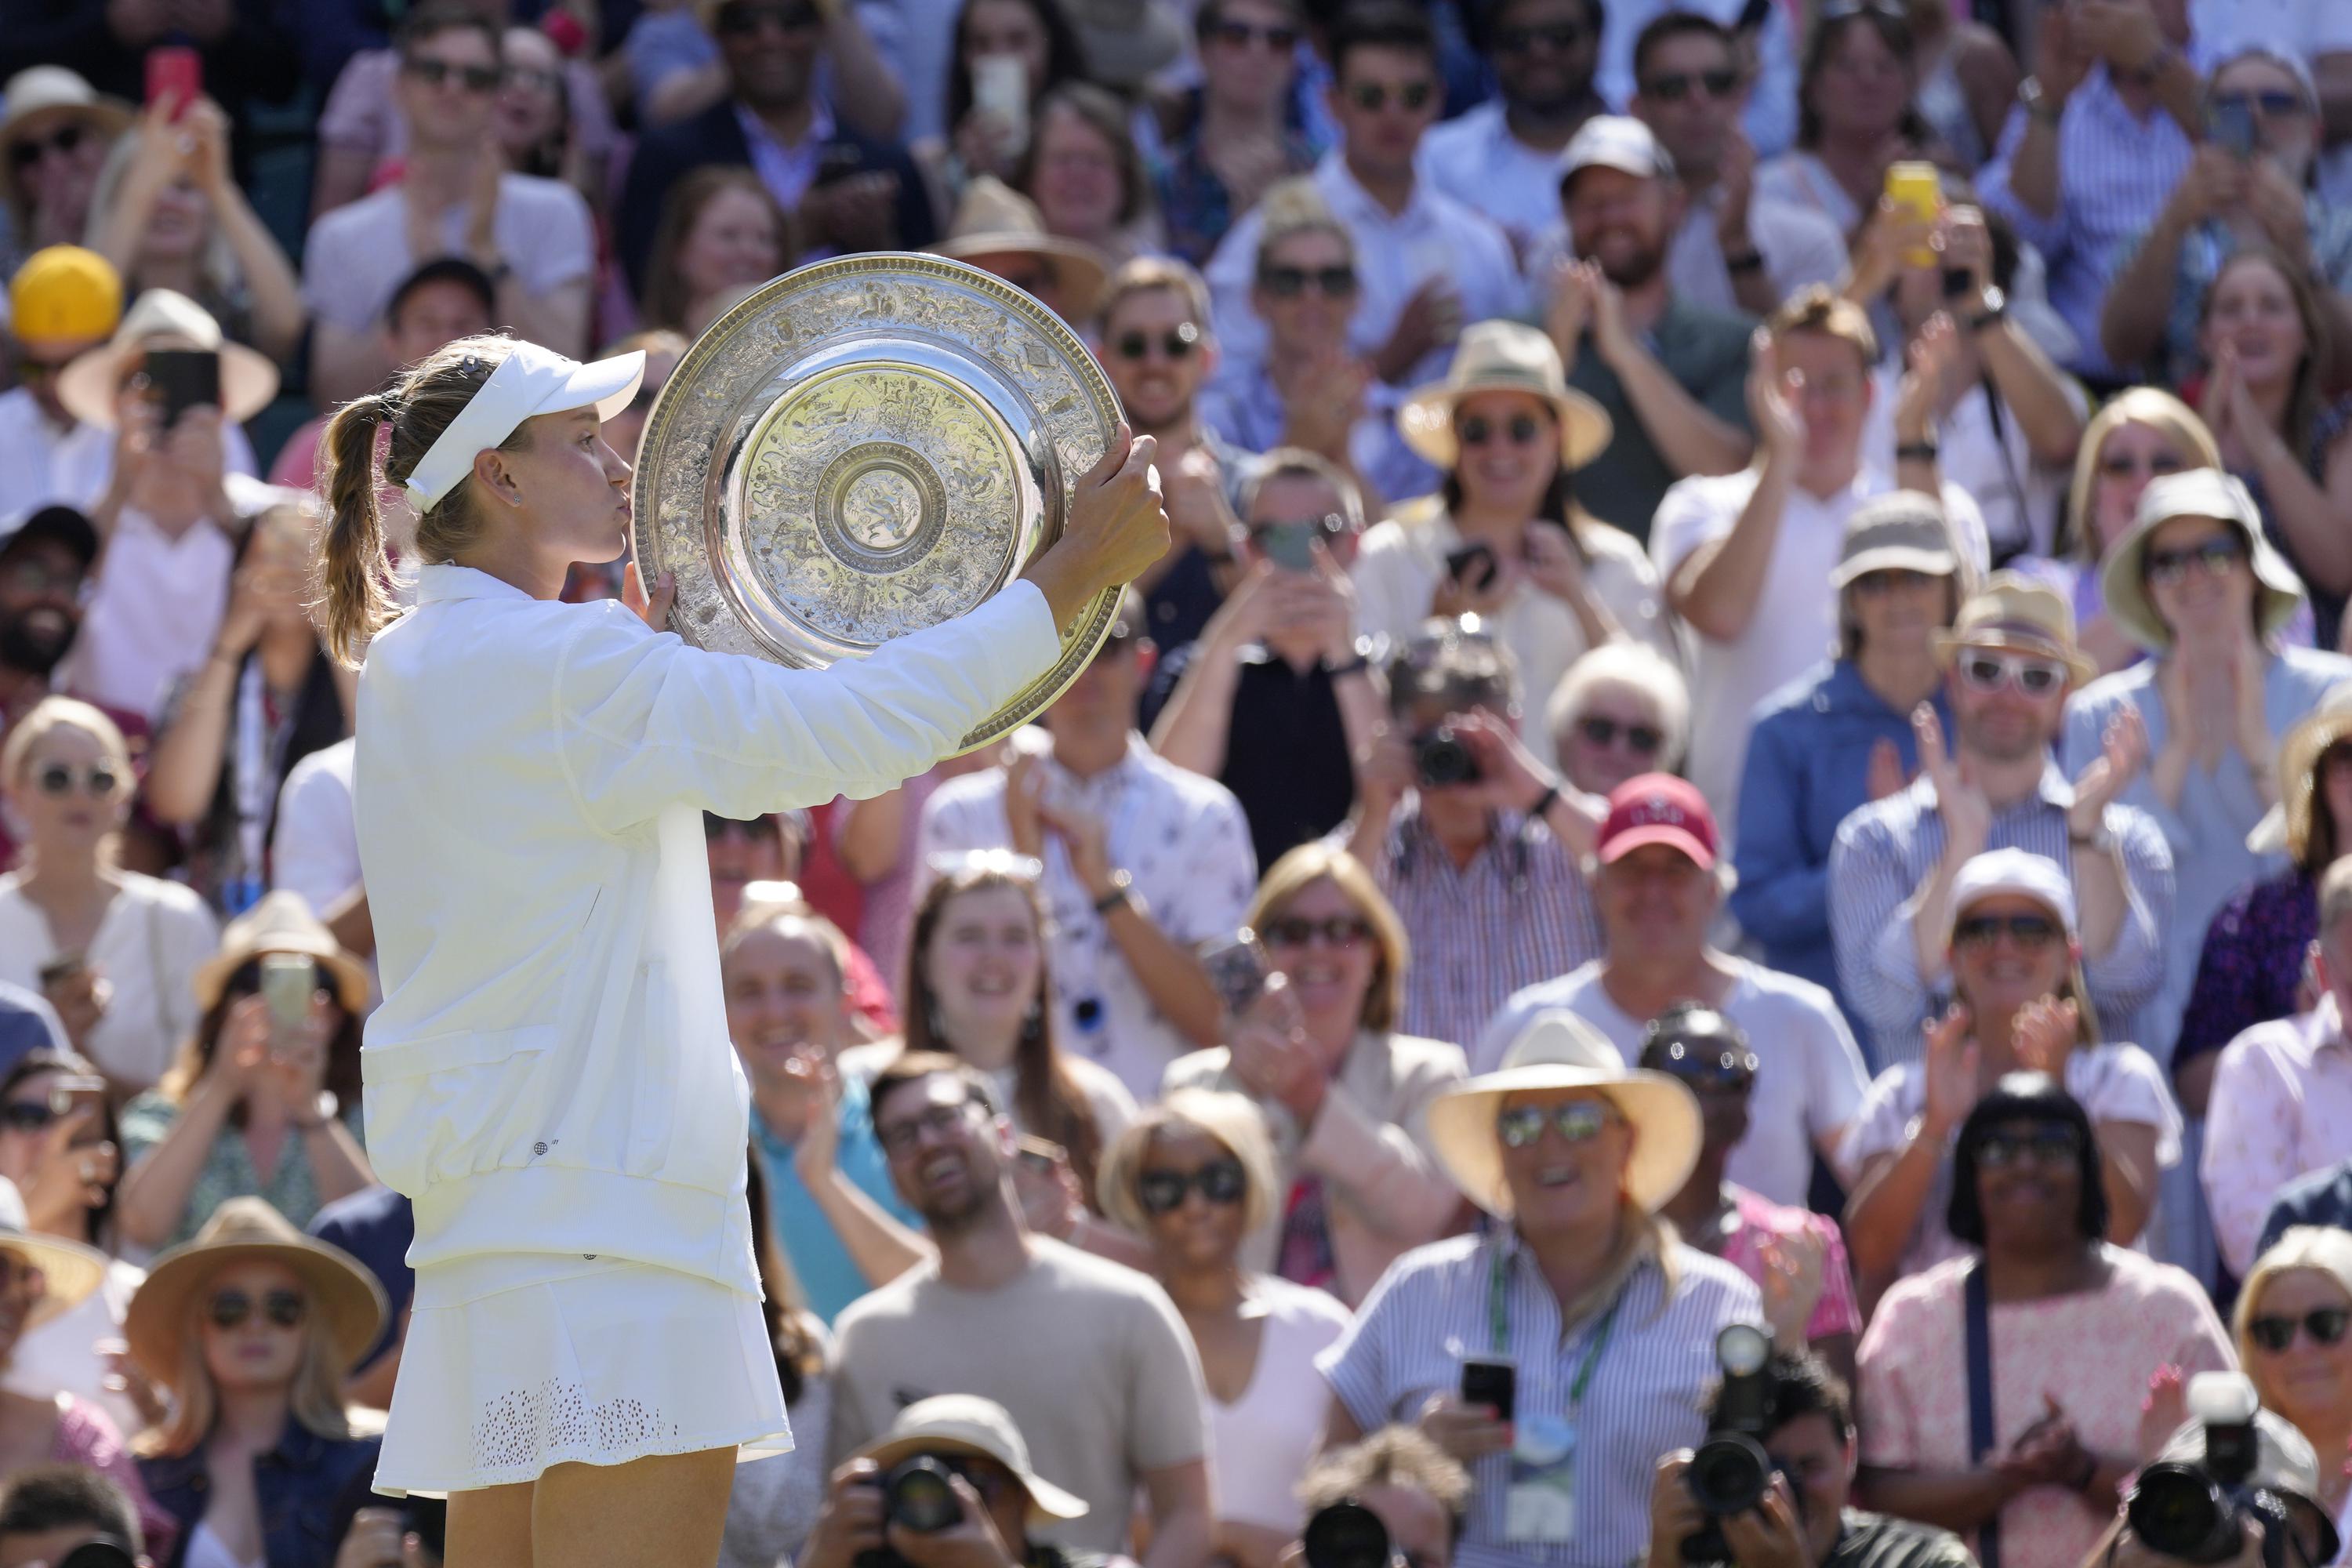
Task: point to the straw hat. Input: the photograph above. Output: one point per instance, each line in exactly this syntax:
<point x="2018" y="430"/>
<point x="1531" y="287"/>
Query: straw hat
<point x="282" y="922"/>
<point x="1502" y="356"/>
<point x="2194" y="492"/>
<point x="52" y="91"/>
<point x="70" y="1271"/>
<point x="2287" y="825"/>
<point x="348" y="1302"/>
<point x="164" y="319"/>
<point x="995" y="219"/>
<point x="967" y="1423"/>
<point x="2011" y="610"/>
<point x="1560" y="1050"/>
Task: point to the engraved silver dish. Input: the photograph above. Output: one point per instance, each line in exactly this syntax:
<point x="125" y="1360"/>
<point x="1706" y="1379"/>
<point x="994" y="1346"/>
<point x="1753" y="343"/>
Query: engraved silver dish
<point x="865" y="447"/>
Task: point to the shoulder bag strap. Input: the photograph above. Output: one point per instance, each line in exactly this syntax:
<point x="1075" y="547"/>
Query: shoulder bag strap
<point x="1977" y="1296"/>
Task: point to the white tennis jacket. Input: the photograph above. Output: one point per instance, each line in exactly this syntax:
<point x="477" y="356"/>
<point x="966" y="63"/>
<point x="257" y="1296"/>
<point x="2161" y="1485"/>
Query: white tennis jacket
<point x="549" y="1071"/>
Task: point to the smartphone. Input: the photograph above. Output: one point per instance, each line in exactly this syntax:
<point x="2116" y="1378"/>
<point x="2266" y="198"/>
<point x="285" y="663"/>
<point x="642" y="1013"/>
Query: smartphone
<point x="1237" y="968"/>
<point x="1040" y="1156"/>
<point x="1917" y="189"/>
<point x="1289" y="545"/>
<point x="65" y="966"/>
<point x="181" y="379"/>
<point x="74" y="1093"/>
<point x="1000" y="84"/>
<point x="1472" y="566"/>
<point x="1490" y="1379"/>
<point x="2230" y="125"/>
<point x="1958" y="282"/>
<point x="174" y="74"/>
<point x="288" y="980"/>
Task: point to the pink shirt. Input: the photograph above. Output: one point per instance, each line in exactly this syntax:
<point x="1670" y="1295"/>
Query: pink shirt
<point x="86" y="1436"/>
<point x="2282" y="1107"/>
<point x="2094" y="1351"/>
<point x="1837" y="1312"/>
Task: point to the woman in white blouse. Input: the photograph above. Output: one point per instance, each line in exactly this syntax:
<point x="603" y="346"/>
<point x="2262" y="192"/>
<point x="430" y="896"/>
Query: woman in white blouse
<point x="1504" y="539"/>
<point x="114" y="952"/>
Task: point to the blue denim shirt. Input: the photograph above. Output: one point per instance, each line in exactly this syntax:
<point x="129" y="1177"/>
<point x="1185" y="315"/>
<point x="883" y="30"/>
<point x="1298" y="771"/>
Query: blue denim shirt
<point x="308" y="1487"/>
<point x="1809" y="768"/>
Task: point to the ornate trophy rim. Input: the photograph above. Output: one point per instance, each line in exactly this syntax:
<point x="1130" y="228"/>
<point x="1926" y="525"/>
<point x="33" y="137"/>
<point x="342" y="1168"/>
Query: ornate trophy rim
<point x="716" y="588"/>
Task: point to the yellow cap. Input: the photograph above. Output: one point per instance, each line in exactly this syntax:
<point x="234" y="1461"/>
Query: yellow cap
<point x="65" y="294"/>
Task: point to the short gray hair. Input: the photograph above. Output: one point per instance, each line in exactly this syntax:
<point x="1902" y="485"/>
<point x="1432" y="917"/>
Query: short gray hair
<point x="1635" y="665"/>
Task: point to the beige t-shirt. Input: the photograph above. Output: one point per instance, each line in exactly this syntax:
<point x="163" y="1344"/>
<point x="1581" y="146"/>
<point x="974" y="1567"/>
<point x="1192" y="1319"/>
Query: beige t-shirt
<point x="1090" y="1359"/>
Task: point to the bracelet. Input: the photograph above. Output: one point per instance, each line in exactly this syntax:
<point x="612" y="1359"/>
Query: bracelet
<point x="1122" y="890"/>
<point x="1544" y="802"/>
<point x="1356" y="666"/>
<point x="1916" y="452"/>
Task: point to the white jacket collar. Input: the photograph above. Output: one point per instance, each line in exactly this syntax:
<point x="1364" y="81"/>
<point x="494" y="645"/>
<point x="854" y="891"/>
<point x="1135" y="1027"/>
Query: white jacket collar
<point x="447" y="581"/>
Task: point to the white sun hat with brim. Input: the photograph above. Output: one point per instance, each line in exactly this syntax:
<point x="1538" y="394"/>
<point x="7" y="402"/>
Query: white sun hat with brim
<point x="2194" y="492"/>
<point x="162" y="319"/>
<point x="1502" y="356"/>
<point x="967" y="1423"/>
<point x="529" y="382"/>
<point x="1558" y="1050"/>
<point x="70" y="1272"/>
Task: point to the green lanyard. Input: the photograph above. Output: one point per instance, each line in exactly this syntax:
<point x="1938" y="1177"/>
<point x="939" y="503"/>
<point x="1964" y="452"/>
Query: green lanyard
<point x="1499" y="1329"/>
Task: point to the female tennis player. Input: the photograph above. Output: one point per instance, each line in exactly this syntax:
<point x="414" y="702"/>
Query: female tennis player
<point x="548" y="1077"/>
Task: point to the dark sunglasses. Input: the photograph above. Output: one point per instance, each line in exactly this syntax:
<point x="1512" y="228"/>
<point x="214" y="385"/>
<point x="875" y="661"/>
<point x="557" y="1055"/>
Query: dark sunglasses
<point x="230" y="1309"/>
<point x="1178" y="343"/>
<point x="1371" y="96"/>
<point x="434" y="73"/>
<point x="1673" y="86"/>
<point x="1220" y="1182"/>
<point x="1561" y="37"/>
<point x="2276" y="103"/>
<point x="1297" y="931"/>
<point x="1242" y="35"/>
<point x="2325" y="1325"/>
<point x="2026" y="931"/>
<point x="2043" y="1146"/>
<point x="1522" y="428"/>
<point x="27" y="1116"/>
<point x="2218" y="555"/>
<point x="29" y="150"/>
<point x="901" y="1137"/>
<point x="741" y="21"/>
<point x="1578" y="1120"/>
<point x="57" y="778"/>
<point x="1991" y="671"/>
<point x="1599" y="731"/>
<point x="1289" y="282"/>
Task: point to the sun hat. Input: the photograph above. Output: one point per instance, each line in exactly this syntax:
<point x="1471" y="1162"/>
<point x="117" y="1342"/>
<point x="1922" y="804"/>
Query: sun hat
<point x="1616" y="141"/>
<point x="1657" y="808"/>
<point x="1126" y="42"/>
<point x="162" y="318"/>
<point x="2013" y="611"/>
<point x="2194" y="492"/>
<point x="967" y="1423"/>
<point x="995" y="219"/>
<point x="1904" y="532"/>
<point x="1502" y="356"/>
<point x="39" y="91"/>
<point x="2019" y="872"/>
<point x="1557" y="1049"/>
<point x="2287" y="825"/>
<point x="70" y="1271"/>
<point x="64" y="294"/>
<point x="282" y="922"/>
<point x="348" y="1301"/>
<point x="529" y="382"/>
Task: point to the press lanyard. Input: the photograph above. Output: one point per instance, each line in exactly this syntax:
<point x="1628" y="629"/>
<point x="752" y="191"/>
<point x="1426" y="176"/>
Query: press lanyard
<point x="1499" y="1327"/>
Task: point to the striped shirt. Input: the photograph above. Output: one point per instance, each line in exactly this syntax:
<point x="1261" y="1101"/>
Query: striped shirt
<point x="1648" y="1395"/>
<point x="1884" y="850"/>
<point x="1518" y="912"/>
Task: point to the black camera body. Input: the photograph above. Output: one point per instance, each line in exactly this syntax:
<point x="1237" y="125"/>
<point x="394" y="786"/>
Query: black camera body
<point x="1441" y="757"/>
<point x="916" y="1495"/>
<point x="1730" y="1472"/>
<point x="1346" y="1535"/>
<point x="2198" y="1512"/>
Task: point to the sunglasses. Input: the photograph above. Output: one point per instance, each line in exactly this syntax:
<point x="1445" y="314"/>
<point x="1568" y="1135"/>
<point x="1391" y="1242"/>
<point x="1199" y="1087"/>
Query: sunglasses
<point x="231" y="1308"/>
<point x="2043" y="1146"/>
<point x="26" y="152"/>
<point x="57" y="778"/>
<point x="1297" y="931"/>
<point x="741" y="21"/>
<point x="1597" y="730"/>
<point x="1220" y="1182"/>
<point x="1673" y="86"/>
<point x="2026" y="931"/>
<point x="2218" y="555"/>
<point x="1178" y="343"/>
<point x="1242" y="35"/>
<point x="27" y="1116"/>
<point x="438" y="73"/>
<point x="1562" y="37"/>
<point x="1579" y="1121"/>
<point x="1373" y="97"/>
<point x="1522" y="428"/>
<point x="901" y="1137"/>
<point x="1991" y="671"/>
<point x="1289" y="282"/>
<point x="2325" y="1325"/>
<point x="2276" y="103"/>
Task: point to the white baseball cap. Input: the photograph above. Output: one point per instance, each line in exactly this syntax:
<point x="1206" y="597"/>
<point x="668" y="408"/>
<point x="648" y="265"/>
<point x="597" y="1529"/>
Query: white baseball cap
<point x="2017" y="871"/>
<point x="529" y="382"/>
<point x="1616" y="141"/>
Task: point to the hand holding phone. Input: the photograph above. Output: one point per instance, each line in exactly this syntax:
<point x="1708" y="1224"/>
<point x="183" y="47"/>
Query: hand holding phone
<point x="1917" y="189"/>
<point x="1472" y="566"/>
<point x="180" y="379"/>
<point x="288" y="981"/>
<point x="175" y="75"/>
<point x="1491" y="1382"/>
<point x="1237" y="968"/>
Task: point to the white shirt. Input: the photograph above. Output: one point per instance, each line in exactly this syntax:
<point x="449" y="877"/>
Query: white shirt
<point x="1795" y="623"/>
<point x="61" y="1355"/>
<point x="1809" y="1074"/>
<point x="1184" y="843"/>
<point x="551" y="1071"/>
<point x="149" y="944"/>
<point x="85" y="464"/>
<point x="1396" y="253"/>
<point x="1475" y="159"/>
<point x="356" y="256"/>
<point x="1771" y="117"/>
<point x="1800" y="247"/>
<point x="37" y="458"/>
<point x="316" y="849"/>
<point x="1260" y="1445"/>
<point x="2018" y="497"/>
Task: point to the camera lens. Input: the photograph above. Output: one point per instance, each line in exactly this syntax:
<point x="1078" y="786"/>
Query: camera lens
<point x="1440" y="758"/>
<point x="1729" y="1474"/>
<point x="2177" y="1510"/>
<point x="1346" y="1535"/>
<point x="919" y="1497"/>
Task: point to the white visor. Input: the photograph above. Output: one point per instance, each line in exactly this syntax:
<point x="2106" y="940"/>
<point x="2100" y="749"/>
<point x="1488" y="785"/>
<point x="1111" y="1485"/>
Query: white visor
<point x="531" y="381"/>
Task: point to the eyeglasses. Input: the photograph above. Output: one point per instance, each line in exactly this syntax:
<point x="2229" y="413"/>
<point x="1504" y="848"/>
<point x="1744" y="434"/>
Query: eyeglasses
<point x="2325" y="1325"/>
<point x="1289" y="282"/>
<point x="1220" y="1182"/>
<point x="57" y="778"/>
<point x="1561" y="38"/>
<point x="1297" y="931"/>
<point x="2043" y="1146"/>
<point x="28" y="151"/>
<point x="27" y="1116"/>
<point x="1991" y="671"/>
<point x="1478" y="430"/>
<point x="1673" y="86"/>
<point x="231" y="1308"/>
<point x="1178" y="343"/>
<point x="1373" y="97"/>
<point x="740" y="21"/>
<point x="439" y="73"/>
<point x="1888" y="579"/>
<point x="901" y="1137"/>
<point x="1242" y="35"/>
<point x="2026" y="931"/>
<point x="1597" y="730"/>
<point x="1579" y="1121"/>
<point x="2218" y="555"/>
<point x="2276" y="103"/>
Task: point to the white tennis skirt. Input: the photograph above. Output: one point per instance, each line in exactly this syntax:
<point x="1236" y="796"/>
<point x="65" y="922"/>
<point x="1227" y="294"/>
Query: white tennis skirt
<point x="517" y="1363"/>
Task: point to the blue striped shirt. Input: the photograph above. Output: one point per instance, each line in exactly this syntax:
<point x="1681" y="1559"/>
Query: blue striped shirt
<point x="1648" y="1395"/>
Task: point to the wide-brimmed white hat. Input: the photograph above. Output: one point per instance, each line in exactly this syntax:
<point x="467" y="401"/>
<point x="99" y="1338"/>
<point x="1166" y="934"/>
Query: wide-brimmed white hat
<point x="967" y="1423"/>
<point x="163" y="319"/>
<point x="53" y="92"/>
<point x="529" y="382"/>
<point x="2194" y="492"/>
<point x="1560" y="1050"/>
<point x="1502" y="356"/>
<point x="69" y="1271"/>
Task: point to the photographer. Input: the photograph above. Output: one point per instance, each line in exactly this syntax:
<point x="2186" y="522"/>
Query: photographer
<point x="1803" y="1521"/>
<point x="1416" y="1491"/>
<point x="67" y="1515"/>
<point x="2283" y="1465"/>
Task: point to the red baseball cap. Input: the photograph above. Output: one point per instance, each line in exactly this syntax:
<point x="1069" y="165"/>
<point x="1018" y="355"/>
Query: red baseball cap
<point x="1658" y="808"/>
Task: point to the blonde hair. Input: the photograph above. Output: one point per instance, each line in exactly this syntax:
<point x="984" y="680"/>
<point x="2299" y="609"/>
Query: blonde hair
<point x="1817" y="310"/>
<point x="1232" y="1120"/>
<point x="1638" y="666"/>
<point x="1294" y="206"/>
<point x="1154" y="275"/>
<point x="315" y="1400"/>
<point x="354" y="568"/>
<point x="51" y="714"/>
<point x="1324" y="862"/>
<point x="2323" y="1249"/>
<point x="2149" y="406"/>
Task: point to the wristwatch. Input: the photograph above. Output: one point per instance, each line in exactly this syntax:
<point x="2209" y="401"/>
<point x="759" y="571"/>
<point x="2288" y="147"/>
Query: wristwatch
<point x="1995" y="312"/>
<point x="1916" y="452"/>
<point x="327" y="1106"/>
<point x="1122" y="891"/>
<point x="2038" y="103"/>
<point x="2101" y="838"/>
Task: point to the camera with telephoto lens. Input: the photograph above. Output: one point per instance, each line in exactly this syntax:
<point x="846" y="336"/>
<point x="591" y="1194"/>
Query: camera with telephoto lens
<point x="1730" y="1472"/>
<point x="1441" y="757"/>
<point x="1346" y="1535"/>
<point x="106" y="1551"/>
<point x="2196" y="1512"/>
<point x="916" y="1495"/>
